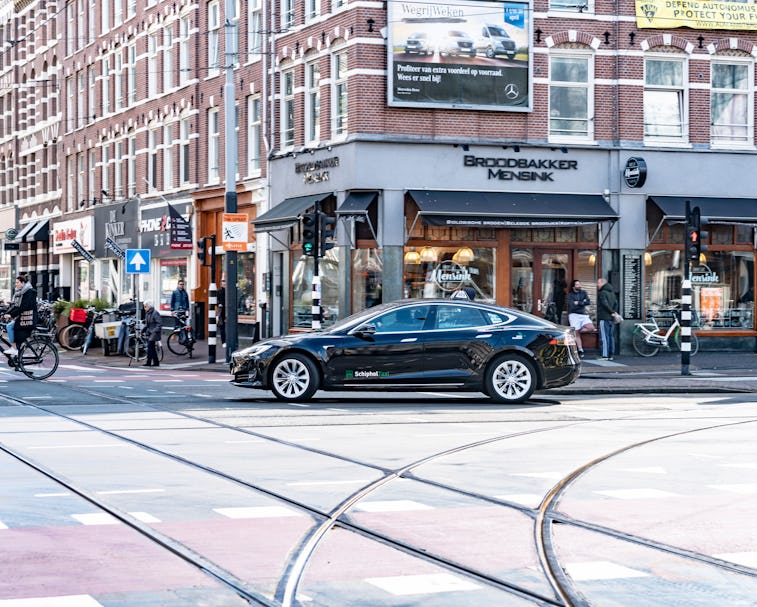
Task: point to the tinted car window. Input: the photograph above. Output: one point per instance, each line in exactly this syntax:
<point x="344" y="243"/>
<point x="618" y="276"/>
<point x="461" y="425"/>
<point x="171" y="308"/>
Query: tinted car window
<point x="404" y="319"/>
<point x="458" y="317"/>
<point x="495" y="319"/>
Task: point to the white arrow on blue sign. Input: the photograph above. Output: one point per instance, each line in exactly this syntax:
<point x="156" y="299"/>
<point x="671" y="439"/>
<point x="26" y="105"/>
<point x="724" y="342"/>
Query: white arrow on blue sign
<point x="137" y="261"/>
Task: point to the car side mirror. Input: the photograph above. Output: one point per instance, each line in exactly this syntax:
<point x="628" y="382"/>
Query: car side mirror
<point x="365" y="330"/>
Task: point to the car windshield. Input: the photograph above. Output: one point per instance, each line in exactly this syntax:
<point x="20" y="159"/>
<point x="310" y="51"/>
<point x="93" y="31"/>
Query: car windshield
<point x="358" y="317"/>
<point x="497" y="31"/>
<point x="419" y="35"/>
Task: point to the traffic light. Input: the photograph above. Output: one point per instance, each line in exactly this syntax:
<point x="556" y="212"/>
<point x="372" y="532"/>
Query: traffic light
<point x="694" y="236"/>
<point x="327" y="232"/>
<point x="310" y="234"/>
<point x="202" y="251"/>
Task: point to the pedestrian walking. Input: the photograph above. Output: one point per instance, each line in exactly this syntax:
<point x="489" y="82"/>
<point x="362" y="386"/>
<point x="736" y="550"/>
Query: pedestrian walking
<point x="607" y="308"/>
<point x="152" y="332"/>
<point x="578" y="313"/>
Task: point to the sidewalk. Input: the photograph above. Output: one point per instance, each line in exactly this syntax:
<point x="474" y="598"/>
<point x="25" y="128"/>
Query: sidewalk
<point x="709" y="371"/>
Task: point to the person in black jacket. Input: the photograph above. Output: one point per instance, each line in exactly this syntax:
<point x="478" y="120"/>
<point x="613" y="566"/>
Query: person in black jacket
<point x="607" y="307"/>
<point x="23" y="311"/>
<point x="152" y="332"/>
<point x="578" y="313"/>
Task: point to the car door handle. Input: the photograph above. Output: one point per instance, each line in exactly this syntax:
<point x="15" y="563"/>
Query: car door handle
<point x="408" y="340"/>
<point x="483" y="335"/>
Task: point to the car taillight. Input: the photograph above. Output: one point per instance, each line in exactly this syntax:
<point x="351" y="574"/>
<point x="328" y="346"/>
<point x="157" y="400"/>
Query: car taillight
<point x="566" y="340"/>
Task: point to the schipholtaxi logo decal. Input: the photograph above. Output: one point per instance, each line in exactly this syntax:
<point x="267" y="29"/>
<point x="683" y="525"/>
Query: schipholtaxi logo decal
<point x="365" y="374"/>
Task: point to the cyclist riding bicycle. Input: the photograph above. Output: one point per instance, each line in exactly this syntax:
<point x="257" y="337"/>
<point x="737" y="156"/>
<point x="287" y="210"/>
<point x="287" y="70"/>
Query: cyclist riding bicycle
<point x="23" y="312"/>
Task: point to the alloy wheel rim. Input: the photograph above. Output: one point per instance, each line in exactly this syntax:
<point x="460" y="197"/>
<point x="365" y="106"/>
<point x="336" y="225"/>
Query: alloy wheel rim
<point x="291" y="378"/>
<point x="512" y="379"/>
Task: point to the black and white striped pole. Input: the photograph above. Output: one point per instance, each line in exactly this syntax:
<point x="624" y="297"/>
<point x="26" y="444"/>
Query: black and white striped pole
<point x="689" y="249"/>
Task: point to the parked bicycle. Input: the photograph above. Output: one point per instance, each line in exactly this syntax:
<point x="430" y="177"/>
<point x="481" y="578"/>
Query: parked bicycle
<point x="73" y="336"/>
<point x="182" y="340"/>
<point x="97" y="318"/>
<point x="37" y="357"/>
<point x="648" y="338"/>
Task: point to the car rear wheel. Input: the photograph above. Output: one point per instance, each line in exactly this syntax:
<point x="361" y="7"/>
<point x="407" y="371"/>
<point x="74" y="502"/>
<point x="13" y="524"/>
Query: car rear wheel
<point x="490" y="53"/>
<point x="510" y="379"/>
<point x="294" y="378"/>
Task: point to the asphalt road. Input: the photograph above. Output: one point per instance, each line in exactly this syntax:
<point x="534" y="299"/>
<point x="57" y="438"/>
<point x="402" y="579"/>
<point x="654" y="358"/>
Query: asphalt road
<point x="168" y="487"/>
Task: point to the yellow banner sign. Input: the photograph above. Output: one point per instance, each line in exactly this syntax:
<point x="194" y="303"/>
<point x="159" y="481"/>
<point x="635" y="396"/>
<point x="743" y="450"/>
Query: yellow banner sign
<point x="696" y="14"/>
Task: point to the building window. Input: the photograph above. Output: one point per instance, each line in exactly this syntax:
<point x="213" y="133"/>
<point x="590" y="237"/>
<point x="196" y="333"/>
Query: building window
<point x="731" y="102"/>
<point x="81" y="101"/>
<point x="570" y="96"/>
<point x="339" y="4"/>
<point x="312" y="102"/>
<point x="214" y="38"/>
<point x="152" y="65"/>
<point x="214" y="146"/>
<point x="664" y="99"/>
<point x="104" y="168"/>
<point x="132" y="166"/>
<point x="167" y="59"/>
<point x="131" y="8"/>
<point x="118" y="82"/>
<point x="70" y="28"/>
<point x="254" y="33"/>
<point x="186" y="130"/>
<point x="339" y="93"/>
<point x="184" y="51"/>
<point x="253" y="135"/>
<point x="287" y="109"/>
<point x="70" y="181"/>
<point x="118" y="12"/>
<point x="91" y="103"/>
<point x="118" y="176"/>
<point x="168" y="157"/>
<point x="287" y="14"/>
<point x="152" y="159"/>
<point x="131" y="73"/>
<point x="104" y="16"/>
<point x="105" y="82"/>
<point x="312" y="9"/>
<point x="91" y="189"/>
<point x="573" y="6"/>
<point x="91" y="30"/>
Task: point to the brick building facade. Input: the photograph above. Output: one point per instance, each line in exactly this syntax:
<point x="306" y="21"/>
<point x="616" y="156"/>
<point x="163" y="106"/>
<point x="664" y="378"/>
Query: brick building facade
<point x="456" y="161"/>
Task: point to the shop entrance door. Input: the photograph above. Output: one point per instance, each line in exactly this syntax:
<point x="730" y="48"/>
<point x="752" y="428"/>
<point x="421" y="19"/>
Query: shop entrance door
<point x="539" y="281"/>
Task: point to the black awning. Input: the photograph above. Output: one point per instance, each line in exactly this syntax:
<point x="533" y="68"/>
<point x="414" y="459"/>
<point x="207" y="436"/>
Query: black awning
<point x="730" y="210"/>
<point x="40" y="232"/>
<point x="356" y="204"/>
<point x="21" y="237"/>
<point x="508" y="209"/>
<point x="286" y="213"/>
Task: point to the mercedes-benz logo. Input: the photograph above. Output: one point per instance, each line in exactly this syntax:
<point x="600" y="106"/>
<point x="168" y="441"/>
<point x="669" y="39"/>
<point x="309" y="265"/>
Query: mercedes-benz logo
<point x="511" y="91"/>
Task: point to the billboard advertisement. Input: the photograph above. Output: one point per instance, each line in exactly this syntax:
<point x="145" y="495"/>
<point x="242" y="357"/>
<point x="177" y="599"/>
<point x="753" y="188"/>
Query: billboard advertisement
<point x="460" y="54"/>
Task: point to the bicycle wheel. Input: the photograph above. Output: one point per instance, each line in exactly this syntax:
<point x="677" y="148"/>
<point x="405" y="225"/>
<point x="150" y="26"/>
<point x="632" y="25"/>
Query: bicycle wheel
<point x="38" y="358"/>
<point x="159" y="350"/>
<point x="641" y="345"/>
<point x="136" y="347"/>
<point x="72" y="337"/>
<point x="173" y="343"/>
<point x="694" y="342"/>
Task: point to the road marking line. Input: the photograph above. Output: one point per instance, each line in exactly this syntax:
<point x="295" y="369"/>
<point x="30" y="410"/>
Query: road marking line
<point x="96" y="518"/>
<point x="319" y="483"/>
<point x="402" y="585"/>
<point x="80" y="368"/>
<point x="392" y="506"/>
<point x="109" y="381"/>
<point x="601" y="570"/>
<point x="102" y="446"/>
<point x="129" y="491"/>
<point x="59" y="494"/>
<point x="145" y="517"/>
<point x="547" y="475"/>
<point x="636" y="494"/>
<point x="78" y="600"/>
<point x="3" y="525"/>
<point x="257" y="512"/>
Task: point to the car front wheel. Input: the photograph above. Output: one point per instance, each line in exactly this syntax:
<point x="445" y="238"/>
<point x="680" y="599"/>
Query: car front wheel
<point x="510" y="379"/>
<point x="294" y="378"/>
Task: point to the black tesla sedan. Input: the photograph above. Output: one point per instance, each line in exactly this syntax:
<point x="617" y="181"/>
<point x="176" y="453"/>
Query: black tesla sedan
<point x="440" y="344"/>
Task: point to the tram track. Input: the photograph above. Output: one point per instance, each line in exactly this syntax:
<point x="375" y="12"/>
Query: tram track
<point x="544" y="517"/>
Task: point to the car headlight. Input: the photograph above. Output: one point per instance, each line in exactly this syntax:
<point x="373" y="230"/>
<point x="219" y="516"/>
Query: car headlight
<point x="254" y="351"/>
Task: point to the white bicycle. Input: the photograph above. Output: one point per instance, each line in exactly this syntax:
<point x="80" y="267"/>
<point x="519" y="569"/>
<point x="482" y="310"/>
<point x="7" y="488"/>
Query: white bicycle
<point x="648" y="338"/>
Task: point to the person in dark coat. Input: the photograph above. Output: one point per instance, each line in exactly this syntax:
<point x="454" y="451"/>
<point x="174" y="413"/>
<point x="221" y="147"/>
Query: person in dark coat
<point x="607" y="307"/>
<point x="578" y="313"/>
<point x="179" y="301"/>
<point x="23" y="311"/>
<point x="152" y="332"/>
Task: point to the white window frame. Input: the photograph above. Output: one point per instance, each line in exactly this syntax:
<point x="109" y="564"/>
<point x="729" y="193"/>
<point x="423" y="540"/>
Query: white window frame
<point x="588" y="86"/>
<point x="168" y="58"/>
<point x="152" y="64"/>
<point x="312" y="9"/>
<point x="152" y="159"/>
<point x="287" y="108"/>
<point x="105" y="16"/>
<point x="168" y="156"/>
<point x="104" y="177"/>
<point x="91" y="93"/>
<point x="313" y="102"/>
<point x="680" y="90"/>
<point x="214" y="145"/>
<point x="118" y="169"/>
<point x="287" y="14"/>
<point x="70" y="103"/>
<point x="254" y="30"/>
<point x="105" y="84"/>
<point x="131" y="166"/>
<point x="254" y="130"/>
<point x="214" y="38"/>
<point x="91" y="21"/>
<point x="185" y="160"/>
<point x="92" y="163"/>
<point x="131" y="73"/>
<point x="118" y="12"/>
<point x="185" y="62"/>
<point x="339" y="94"/>
<point x="70" y="180"/>
<point x="724" y="141"/>
<point x="81" y="98"/>
<point x="118" y="84"/>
